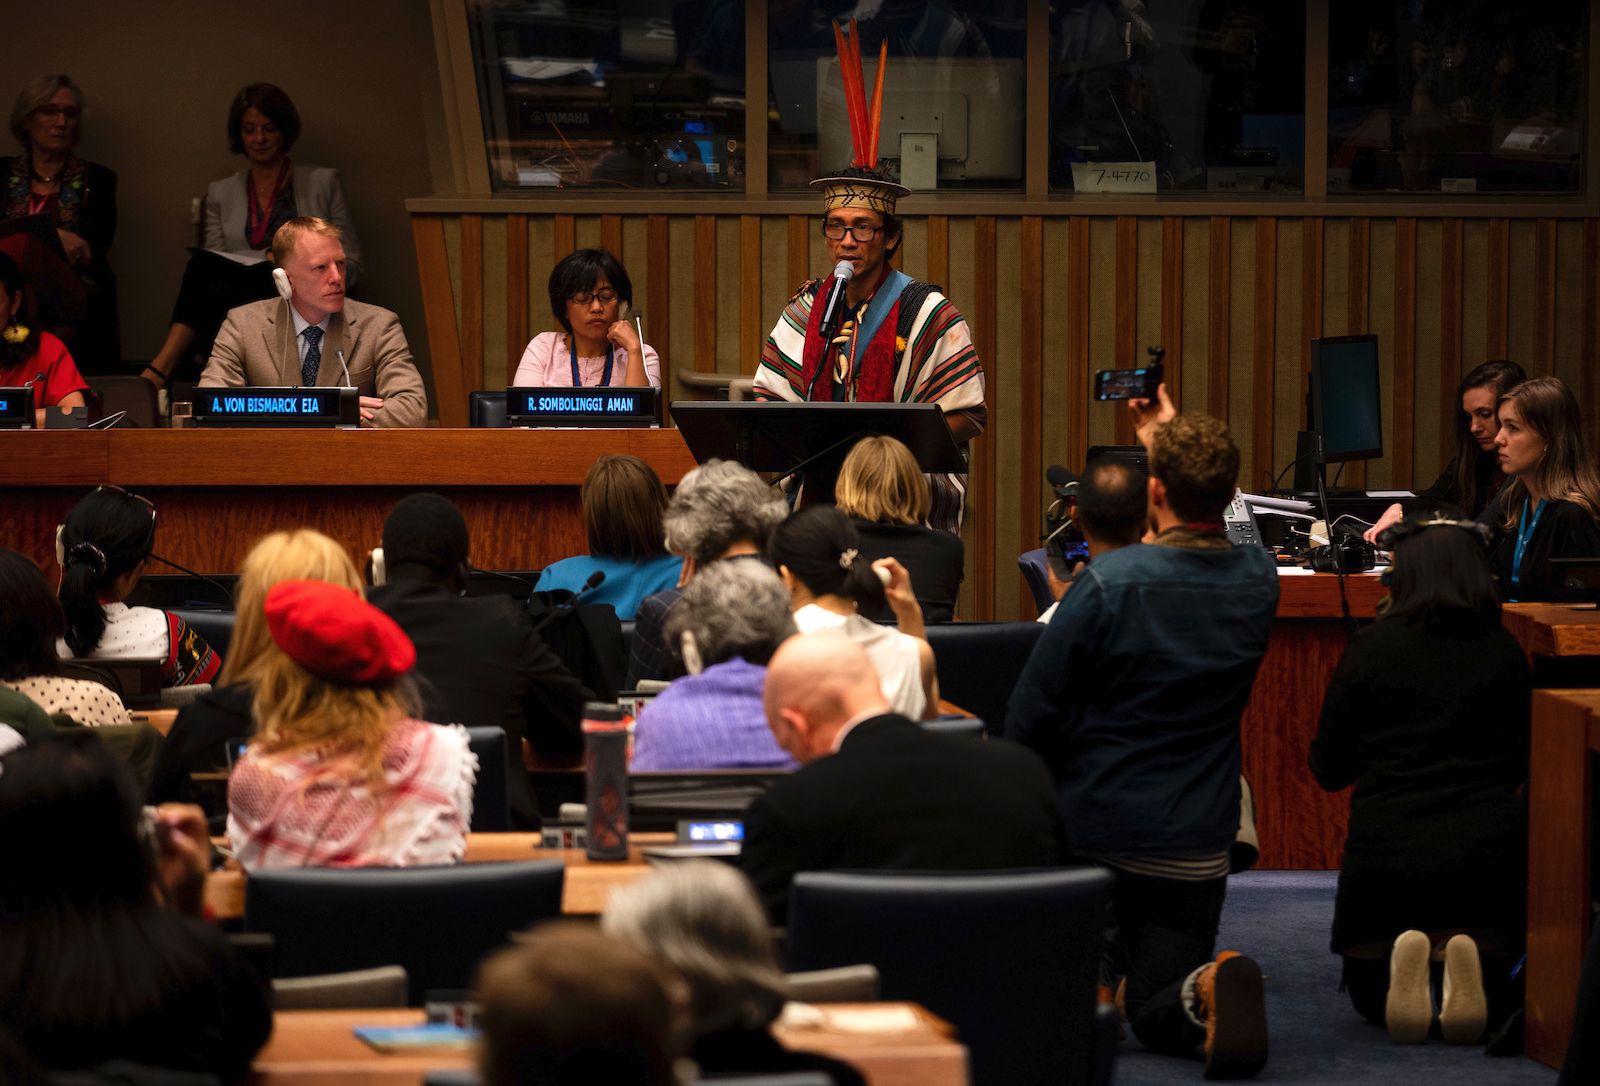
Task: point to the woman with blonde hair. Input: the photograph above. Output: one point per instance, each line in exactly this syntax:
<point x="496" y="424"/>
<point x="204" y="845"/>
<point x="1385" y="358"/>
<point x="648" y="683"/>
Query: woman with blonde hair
<point x="702" y="921"/>
<point x="340" y="772"/>
<point x="205" y="728"/>
<point x="622" y="499"/>
<point x="1551" y="505"/>
<point x="884" y="493"/>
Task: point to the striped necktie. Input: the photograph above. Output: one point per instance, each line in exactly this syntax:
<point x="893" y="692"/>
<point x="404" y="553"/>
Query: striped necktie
<point x="313" y="359"/>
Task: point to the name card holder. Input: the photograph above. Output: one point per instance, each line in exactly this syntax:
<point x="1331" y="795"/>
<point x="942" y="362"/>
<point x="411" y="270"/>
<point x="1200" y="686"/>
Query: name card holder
<point x="583" y="407"/>
<point x="278" y="408"/>
<point x="16" y="407"/>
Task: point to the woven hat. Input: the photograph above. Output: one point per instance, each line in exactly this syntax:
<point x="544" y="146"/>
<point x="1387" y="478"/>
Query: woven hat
<point x="336" y="635"/>
<point x="864" y="183"/>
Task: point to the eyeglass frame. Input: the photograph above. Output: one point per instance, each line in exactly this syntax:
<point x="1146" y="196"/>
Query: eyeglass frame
<point x="853" y="230"/>
<point x="586" y="297"/>
<point x="150" y="540"/>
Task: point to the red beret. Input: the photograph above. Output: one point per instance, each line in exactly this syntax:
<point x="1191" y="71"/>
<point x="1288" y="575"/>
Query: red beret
<point x="335" y="634"/>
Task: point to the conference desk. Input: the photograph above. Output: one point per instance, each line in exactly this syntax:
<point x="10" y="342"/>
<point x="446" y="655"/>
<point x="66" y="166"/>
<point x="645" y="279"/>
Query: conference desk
<point x="319" y="1047"/>
<point x="587" y="886"/>
<point x="218" y="491"/>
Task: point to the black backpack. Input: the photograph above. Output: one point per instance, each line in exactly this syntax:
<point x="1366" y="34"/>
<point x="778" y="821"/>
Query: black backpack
<point x="586" y="636"/>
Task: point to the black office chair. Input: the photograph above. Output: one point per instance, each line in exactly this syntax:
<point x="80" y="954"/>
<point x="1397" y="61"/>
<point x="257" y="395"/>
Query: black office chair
<point x="130" y="393"/>
<point x="215" y="626"/>
<point x="491" y="807"/>
<point x="979" y="663"/>
<point x="1011" y="959"/>
<point x="486" y="408"/>
<point x="437" y="923"/>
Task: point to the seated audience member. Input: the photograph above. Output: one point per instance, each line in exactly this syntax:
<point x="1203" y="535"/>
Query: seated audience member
<point x="93" y="968"/>
<point x="480" y="663"/>
<point x="316" y="336"/>
<point x="570" y="1006"/>
<point x="340" y="773"/>
<point x="731" y="619"/>
<point x="1550" y="506"/>
<point x="622" y="500"/>
<point x="886" y="496"/>
<point x="877" y="792"/>
<point x="720" y="510"/>
<point x="31" y="357"/>
<point x="103" y="548"/>
<point x="1473" y="476"/>
<point x="203" y="730"/>
<point x="590" y="296"/>
<point x="1112" y="513"/>
<point x="702" y="921"/>
<point x="818" y="555"/>
<point x="1134" y="692"/>
<point x="30" y="622"/>
<point x="242" y="212"/>
<point x="1427" y="715"/>
<point x="80" y="199"/>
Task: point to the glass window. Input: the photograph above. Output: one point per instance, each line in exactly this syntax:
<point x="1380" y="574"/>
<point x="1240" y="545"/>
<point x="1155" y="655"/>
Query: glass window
<point x="625" y="94"/>
<point x="1208" y="94"/>
<point x="953" y="95"/>
<point x="1459" y="97"/>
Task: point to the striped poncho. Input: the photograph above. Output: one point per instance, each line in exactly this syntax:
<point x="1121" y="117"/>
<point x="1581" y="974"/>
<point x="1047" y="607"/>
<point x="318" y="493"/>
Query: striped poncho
<point x="926" y="359"/>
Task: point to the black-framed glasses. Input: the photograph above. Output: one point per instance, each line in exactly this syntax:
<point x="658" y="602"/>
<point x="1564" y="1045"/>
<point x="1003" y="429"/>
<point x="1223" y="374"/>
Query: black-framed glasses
<point x="584" y="297"/>
<point x="835" y="231"/>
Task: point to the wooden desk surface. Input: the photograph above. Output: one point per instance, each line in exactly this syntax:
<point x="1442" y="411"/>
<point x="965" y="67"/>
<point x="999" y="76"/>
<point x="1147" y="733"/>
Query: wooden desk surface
<point x="159" y="719"/>
<point x="1554" y="629"/>
<point x="587" y="887"/>
<point x="318" y="1046"/>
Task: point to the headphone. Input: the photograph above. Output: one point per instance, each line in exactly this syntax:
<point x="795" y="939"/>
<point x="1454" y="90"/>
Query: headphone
<point x="280" y="278"/>
<point x="377" y="573"/>
<point x="1406" y="529"/>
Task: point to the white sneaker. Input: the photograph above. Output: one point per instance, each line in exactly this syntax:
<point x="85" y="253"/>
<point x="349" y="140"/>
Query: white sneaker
<point x="1463" y="1008"/>
<point x="1409" y="1010"/>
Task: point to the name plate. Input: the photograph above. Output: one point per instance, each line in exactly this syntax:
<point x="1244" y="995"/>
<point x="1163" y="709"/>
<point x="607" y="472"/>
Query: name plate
<point x="277" y="407"/>
<point x="581" y="406"/>
<point x="16" y="408"/>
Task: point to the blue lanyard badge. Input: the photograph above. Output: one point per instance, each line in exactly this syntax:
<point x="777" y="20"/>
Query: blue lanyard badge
<point x="605" y="377"/>
<point x="1525" y="530"/>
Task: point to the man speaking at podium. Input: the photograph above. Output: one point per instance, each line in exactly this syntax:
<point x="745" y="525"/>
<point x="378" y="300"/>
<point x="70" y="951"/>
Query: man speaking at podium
<point x="313" y="335"/>
<point x="870" y="333"/>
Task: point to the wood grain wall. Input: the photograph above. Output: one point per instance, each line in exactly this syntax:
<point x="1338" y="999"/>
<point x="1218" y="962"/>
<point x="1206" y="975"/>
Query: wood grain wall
<point x="1050" y="299"/>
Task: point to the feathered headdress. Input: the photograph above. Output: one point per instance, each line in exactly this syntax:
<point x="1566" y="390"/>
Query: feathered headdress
<point x="863" y="183"/>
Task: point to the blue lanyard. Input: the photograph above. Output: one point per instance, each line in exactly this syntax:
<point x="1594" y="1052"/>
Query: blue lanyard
<point x="605" y="378"/>
<point x="1525" y="530"/>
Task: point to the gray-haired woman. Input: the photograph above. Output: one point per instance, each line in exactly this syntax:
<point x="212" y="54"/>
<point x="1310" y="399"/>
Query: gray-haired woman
<point x="728" y="623"/>
<point x="720" y="510"/>
<point x="702" y="921"/>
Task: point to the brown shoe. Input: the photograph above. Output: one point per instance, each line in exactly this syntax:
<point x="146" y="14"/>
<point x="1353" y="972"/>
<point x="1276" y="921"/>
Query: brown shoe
<point x="1463" y="1008"/>
<point x="1408" y="1010"/>
<point x="1234" y="1008"/>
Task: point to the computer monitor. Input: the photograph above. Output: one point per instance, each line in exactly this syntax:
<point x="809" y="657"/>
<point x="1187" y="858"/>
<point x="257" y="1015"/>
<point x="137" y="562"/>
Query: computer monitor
<point x="1346" y="398"/>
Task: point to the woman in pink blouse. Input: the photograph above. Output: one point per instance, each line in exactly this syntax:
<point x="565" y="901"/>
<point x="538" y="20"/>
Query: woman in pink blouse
<point x="590" y="294"/>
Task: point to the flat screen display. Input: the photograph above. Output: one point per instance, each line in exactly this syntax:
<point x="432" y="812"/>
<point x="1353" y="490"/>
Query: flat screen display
<point x="1346" y="397"/>
<point x="16" y="407"/>
<point x="561" y="406"/>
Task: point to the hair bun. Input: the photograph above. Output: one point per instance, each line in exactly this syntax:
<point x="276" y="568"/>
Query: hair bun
<point x="87" y="554"/>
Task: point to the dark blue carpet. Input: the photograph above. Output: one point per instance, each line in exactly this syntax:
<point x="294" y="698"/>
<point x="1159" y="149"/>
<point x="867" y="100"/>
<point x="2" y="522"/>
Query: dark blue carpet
<point x="1282" y="918"/>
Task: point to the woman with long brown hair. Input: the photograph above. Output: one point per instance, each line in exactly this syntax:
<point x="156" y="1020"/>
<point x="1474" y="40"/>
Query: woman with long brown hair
<point x="1550" y="508"/>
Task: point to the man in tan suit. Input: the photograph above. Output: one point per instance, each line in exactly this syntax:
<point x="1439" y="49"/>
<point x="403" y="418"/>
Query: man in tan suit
<point x="314" y="334"/>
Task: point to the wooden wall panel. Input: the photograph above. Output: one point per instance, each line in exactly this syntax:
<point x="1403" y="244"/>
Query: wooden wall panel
<point x="1050" y="299"/>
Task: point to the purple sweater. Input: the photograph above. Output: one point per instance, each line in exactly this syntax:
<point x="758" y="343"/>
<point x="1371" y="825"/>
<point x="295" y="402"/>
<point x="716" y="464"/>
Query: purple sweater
<point x="713" y="720"/>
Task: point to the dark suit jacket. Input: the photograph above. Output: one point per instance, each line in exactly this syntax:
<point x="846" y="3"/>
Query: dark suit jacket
<point x="896" y="797"/>
<point x="479" y="663"/>
<point x="256" y="346"/>
<point x="198" y="741"/>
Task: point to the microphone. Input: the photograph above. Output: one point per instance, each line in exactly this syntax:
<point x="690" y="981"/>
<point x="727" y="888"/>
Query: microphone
<point x="1061" y="480"/>
<point x="832" y="316"/>
<point x="347" y="382"/>
<point x="218" y="585"/>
